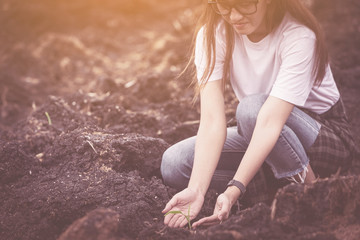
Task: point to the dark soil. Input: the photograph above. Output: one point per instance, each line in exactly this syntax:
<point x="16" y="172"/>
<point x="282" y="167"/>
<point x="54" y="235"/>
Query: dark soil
<point x="105" y="74"/>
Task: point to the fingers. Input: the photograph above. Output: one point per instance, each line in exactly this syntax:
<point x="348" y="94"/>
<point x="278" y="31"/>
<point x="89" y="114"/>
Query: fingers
<point x="176" y="220"/>
<point x="221" y="212"/>
<point x="224" y="210"/>
<point x="207" y="221"/>
<point x="171" y="219"/>
<point x="181" y="222"/>
<point x="184" y="204"/>
<point x="170" y="204"/>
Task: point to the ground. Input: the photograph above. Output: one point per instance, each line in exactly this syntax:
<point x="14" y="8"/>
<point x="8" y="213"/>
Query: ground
<point x="89" y="101"/>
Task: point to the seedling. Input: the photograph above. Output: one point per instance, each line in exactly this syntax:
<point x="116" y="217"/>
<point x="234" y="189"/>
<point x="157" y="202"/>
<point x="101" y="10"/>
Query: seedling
<point x="48" y="118"/>
<point x="180" y="212"/>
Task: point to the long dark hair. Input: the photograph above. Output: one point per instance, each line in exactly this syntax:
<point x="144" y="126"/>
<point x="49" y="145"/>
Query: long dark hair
<point x="274" y="15"/>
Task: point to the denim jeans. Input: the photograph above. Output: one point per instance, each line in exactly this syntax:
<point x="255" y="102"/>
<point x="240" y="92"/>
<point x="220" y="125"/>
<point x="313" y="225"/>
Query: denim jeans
<point x="287" y="158"/>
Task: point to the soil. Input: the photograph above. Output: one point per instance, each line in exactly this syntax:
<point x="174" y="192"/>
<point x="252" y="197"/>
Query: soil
<point x="89" y="100"/>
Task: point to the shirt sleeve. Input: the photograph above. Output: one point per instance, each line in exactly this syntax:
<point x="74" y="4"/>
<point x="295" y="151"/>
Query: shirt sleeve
<point x="295" y="78"/>
<point x="201" y="56"/>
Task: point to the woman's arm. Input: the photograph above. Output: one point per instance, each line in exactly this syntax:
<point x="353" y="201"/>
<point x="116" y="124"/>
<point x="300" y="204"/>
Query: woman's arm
<point x="209" y="143"/>
<point x="210" y="138"/>
<point x="270" y="121"/>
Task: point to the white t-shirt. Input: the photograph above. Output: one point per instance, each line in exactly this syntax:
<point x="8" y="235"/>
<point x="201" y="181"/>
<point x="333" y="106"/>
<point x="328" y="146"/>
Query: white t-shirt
<point x="279" y="65"/>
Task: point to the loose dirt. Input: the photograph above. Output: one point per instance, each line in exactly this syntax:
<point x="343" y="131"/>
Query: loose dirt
<point x="105" y="73"/>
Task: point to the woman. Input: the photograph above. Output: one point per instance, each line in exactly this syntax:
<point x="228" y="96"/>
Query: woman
<point x="290" y="113"/>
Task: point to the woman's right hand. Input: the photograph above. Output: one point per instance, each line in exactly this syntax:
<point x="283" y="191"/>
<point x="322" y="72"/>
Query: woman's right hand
<point x="181" y="202"/>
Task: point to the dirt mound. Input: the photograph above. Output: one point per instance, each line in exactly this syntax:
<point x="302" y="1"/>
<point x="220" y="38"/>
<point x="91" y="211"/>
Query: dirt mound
<point x="325" y="210"/>
<point x="328" y="209"/>
<point x="60" y="171"/>
<point x="89" y="100"/>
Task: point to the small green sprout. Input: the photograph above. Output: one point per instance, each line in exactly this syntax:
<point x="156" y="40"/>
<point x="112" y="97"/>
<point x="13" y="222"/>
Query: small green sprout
<point x="180" y="212"/>
<point x="48" y="118"/>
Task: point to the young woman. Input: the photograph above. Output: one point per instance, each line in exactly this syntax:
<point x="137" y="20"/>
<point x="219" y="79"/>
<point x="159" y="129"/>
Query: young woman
<point x="290" y="113"/>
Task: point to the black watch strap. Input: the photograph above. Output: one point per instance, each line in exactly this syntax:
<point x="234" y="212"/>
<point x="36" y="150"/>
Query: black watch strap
<point x="239" y="185"/>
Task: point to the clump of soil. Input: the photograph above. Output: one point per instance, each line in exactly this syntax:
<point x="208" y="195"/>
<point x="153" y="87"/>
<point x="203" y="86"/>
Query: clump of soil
<point x="89" y="101"/>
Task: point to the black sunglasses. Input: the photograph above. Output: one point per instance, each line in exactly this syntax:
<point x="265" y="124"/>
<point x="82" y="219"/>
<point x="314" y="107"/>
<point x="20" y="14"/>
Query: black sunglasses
<point x="224" y="8"/>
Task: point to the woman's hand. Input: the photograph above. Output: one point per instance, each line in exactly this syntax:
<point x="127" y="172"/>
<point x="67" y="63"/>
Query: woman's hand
<point x="221" y="212"/>
<point x="181" y="202"/>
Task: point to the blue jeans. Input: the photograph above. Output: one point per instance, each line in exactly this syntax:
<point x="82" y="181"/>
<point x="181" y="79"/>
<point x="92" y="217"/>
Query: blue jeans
<point x="287" y="158"/>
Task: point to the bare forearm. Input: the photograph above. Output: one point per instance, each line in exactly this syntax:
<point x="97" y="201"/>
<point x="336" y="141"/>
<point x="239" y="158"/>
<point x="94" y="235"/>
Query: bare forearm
<point x="210" y="138"/>
<point x="209" y="143"/>
<point x="270" y="122"/>
<point x="261" y="144"/>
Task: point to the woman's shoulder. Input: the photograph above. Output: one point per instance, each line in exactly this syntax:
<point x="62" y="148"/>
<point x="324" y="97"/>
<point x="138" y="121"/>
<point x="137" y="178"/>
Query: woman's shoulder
<point x="292" y="29"/>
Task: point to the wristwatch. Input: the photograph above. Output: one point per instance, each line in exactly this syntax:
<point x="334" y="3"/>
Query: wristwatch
<point x="239" y="185"/>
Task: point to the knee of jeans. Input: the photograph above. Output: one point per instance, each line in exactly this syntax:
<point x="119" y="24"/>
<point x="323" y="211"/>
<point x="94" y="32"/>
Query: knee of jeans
<point x="247" y="112"/>
<point x="167" y="166"/>
<point x="171" y="168"/>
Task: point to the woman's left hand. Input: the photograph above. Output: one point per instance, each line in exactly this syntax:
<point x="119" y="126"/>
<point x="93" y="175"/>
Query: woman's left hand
<point x="221" y="212"/>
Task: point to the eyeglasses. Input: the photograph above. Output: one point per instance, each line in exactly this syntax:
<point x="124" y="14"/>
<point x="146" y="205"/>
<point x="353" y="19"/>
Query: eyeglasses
<point x="244" y="7"/>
